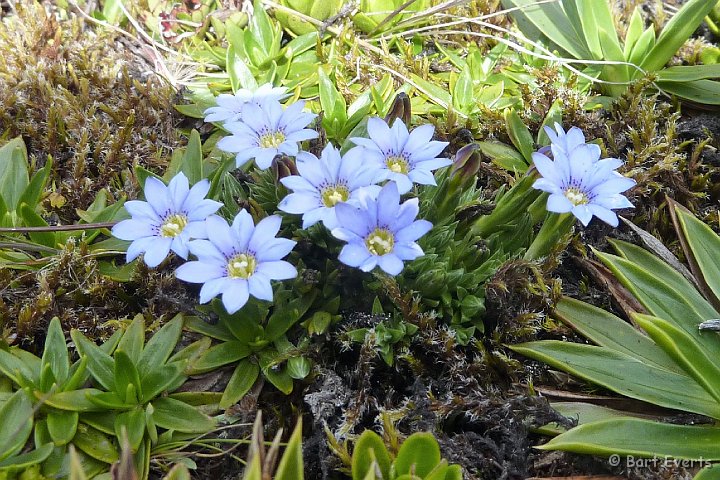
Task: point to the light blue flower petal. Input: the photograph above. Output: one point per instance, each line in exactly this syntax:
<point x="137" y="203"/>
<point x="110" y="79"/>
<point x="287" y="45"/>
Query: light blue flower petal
<point x="367" y="144"/>
<point x="399" y="135"/>
<point x="369" y="264"/>
<point x="548" y="169"/>
<point x="320" y="214"/>
<point x="157" y="251"/>
<point x="351" y="218"/>
<point x="133" y="229"/>
<point x="203" y="209"/>
<point x="196" y="195"/>
<point x="413" y="231"/>
<point x="583" y="213"/>
<point x="547" y="186"/>
<point x="298" y="183"/>
<point x="391" y="264"/>
<point x="199" y="272"/>
<point x="235" y="295"/>
<point x="299" y="203"/>
<point x="346" y="235"/>
<point x="559" y="203"/>
<point x="260" y="287"/>
<point x="301" y="135"/>
<point x="408" y="251"/>
<point x="219" y="234"/>
<point x="156" y="194"/>
<point x="276" y="249"/>
<point x="404" y="184"/>
<point x="179" y="245"/>
<point x="428" y="152"/>
<point x="264" y="157"/>
<point x="265" y="232"/>
<point x="178" y="189"/>
<point x="607" y="216"/>
<point x="138" y="247"/>
<point x="407" y="213"/>
<point x="354" y="255"/>
<point x="235" y="144"/>
<point x="379" y="132"/>
<point x="433" y="164"/>
<point x="388" y="203"/>
<point x="213" y="288"/>
<point x="243" y="228"/>
<point x="277" y="270"/>
<point x="142" y="210"/>
<point x="419" y="137"/>
<point x="422" y="177"/>
<point x="207" y="252"/>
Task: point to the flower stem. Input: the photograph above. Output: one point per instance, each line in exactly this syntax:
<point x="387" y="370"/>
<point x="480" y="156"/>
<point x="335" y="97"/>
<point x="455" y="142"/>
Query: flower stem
<point x="555" y="227"/>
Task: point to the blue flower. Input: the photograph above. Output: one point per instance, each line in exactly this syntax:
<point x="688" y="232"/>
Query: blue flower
<point x="382" y="232"/>
<point x="238" y="260"/>
<point x="401" y="156"/>
<point x="325" y="182"/>
<point x="229" y="107"/>
<point x="579" y="182"/>
<point x="267" y="130"/>
<point x="565" y="141"/>
<point x="171" y="216"/>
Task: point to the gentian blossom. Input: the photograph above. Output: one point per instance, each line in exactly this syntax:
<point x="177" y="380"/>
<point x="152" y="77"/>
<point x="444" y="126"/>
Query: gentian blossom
<point x="170" y="217"/>
<point x="229" y="107"/>
<point x="401" y="156"/>
<point x="566" y="141"/>
<point x="580" y="182"/>
<point x="381" y="232"/>
<point x="267" y="130"/>
<point x="238" y="260"/>
<point x="323" y="183"/>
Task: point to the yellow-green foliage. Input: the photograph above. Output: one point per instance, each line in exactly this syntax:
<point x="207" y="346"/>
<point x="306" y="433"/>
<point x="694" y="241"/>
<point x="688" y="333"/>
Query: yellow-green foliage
<point x="79" y="95"/>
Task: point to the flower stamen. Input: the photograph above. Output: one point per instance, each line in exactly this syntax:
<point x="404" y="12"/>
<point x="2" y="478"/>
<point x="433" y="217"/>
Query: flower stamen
<point x="272" y="139"/>
<point x="397" y="164"/>
<point x="576" y="196"/>
<point x="173" y="225"/>
<point x="242" y="265"/>
<point x="334" y="194"/>
<point x="380" y="242"/>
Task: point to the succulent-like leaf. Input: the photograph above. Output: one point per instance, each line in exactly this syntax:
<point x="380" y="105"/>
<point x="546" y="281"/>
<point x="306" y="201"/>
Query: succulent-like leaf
<point x="16" y="418"/>
<point x="291" y="463"/>
<point x="175" y="415"/>
<point x="369" y="450"/>
<point x="418" y="454"/>
<point x="160" y="346"/>
<point x="243" y="378"/>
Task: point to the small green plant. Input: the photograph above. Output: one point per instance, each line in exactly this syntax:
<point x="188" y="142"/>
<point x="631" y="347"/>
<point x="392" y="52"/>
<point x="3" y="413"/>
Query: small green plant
<point x="255" y="339"/>
<point x="417" y="458"/>
<point x="585" y="30"/>
<point x="261" y="462"/>
<point x="668" y="358"/>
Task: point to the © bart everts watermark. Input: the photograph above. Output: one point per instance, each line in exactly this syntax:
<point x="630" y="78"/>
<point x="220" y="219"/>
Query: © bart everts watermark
<point x="646" y="462"/>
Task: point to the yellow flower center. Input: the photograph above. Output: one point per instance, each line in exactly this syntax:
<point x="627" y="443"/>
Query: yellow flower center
<point x="380" y="242"/>
<point x="334" y="194"/>
<point x="272" y="139"/>
<point x="397" y="164"/>
<point x="242" y="265"/>
<point x="576" y="196"/>
<point x="173" y="225"/>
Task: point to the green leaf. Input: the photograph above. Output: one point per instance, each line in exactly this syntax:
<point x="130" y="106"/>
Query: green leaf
<point x="176" y="415"/>
<point x="112" y="11"/>
<point x="243" y="378"/>
<point x="635" y="29"/>
<point x="160" y="379"/>
<point x="17" y="370"/>
<point x="685" y="351"/>
<point x="699" y="91"/>
<point x="73" y="400"/>
<point x="218" y="331"/>
<point x="110" y="401"/>
<point x="704" y="246"/>
<point x="192" y="159"/>
<point x="332" y="103"/>
<point x="680" y="27"/>
<point x="14" y="177"/>
<point x="16" y="418"/>
<point x="238" y="71"/>
<point x="219" y="355"/>
<point x="132" y="424"/>
<point x="32" y="193"/>
<point x="369" y="449"/>
<point x="133" y="339"/>
<point x="419" y="453"/>
<point x="100" y="363"/>
<point x="688" y="73"/>
<point x="21" y="462"/>
<point x="607" y="330"/>
<point x="62" y="425"/>
<point x="462" y="97"/>
<point x="519" y="134"/>
<point x="639" y="438"/>
<point x="435" y="93"/>
<point x="624" y="374"/>
<point x="291" y="463"/>
<point x="126" y="374"/>
<point x="711" y="472"/>
<point x="32" y="219"/>
<point x="56" y="353"/>
<point x="160" y="346"/>
<point x="597" y="17"/>
<point x="504" y="156"/>
<point x="580" y="411"/>
<point x="274" y="372"/>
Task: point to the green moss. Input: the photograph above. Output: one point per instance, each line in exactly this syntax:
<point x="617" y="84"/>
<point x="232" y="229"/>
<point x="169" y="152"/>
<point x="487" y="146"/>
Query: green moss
<point x="76" y="94"/>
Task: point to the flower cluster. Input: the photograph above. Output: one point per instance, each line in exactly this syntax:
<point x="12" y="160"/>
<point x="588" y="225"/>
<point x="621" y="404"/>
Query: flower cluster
<point x="578" y="180"/>
<point x="260" y="126"/>
<point x="343" y="192"/>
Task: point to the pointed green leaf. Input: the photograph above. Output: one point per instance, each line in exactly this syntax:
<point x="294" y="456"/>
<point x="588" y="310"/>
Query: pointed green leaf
<point x="176" y="415"/>
<point x="419" y="453"/>
<point x="705" y="247"/>
<point x="160" y="346"/>
<point x="218" y="331"/>
<point x="73" y="400"/>
<point x="56" y="352"/>
<point x="126" y="374"/>
<point x="21" y="462"/>
<point x="639" y="438"/>
<point x="133" y="339"/>
<point x="100" y="363"/>
<point x="33" y="192"/>
<point x="62" y="425"/>
<point x="16" y="418"/>
<point x="160" y="379"/>
<point x="14" y="177"/>
<point x="243" y="378"/>
<point x="132" y="424"/>
<point x="369" y="449"/>
<point x="219" y="355"/>
<point x="291" y="463"/>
